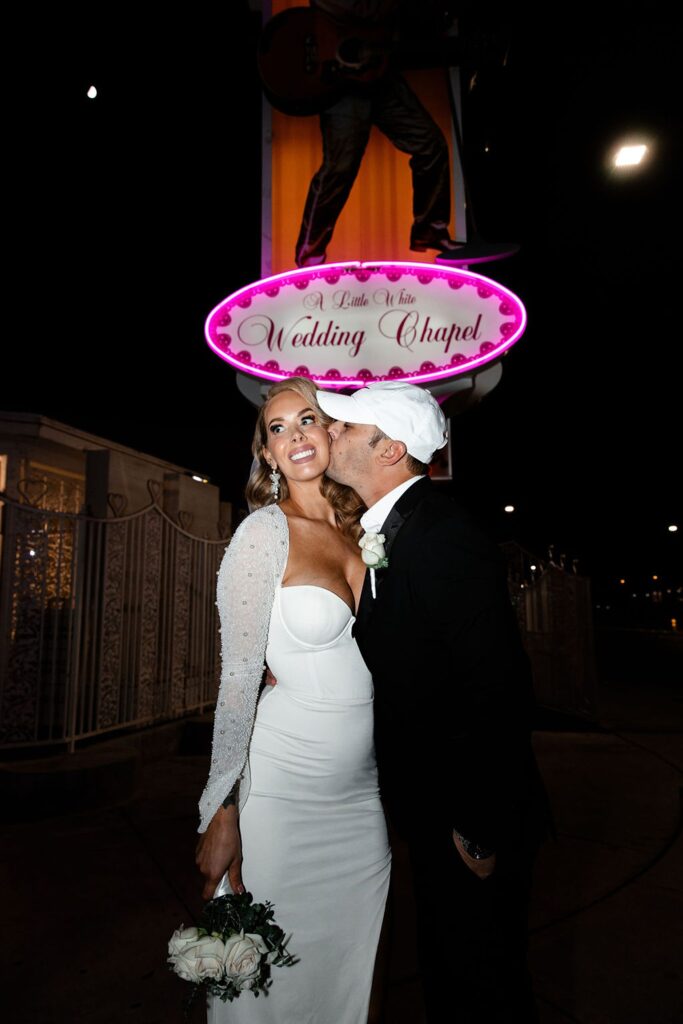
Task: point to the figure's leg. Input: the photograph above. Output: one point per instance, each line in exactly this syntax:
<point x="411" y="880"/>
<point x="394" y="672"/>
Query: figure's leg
<point x="398" y="113"/>
<point x="345" y="129"/>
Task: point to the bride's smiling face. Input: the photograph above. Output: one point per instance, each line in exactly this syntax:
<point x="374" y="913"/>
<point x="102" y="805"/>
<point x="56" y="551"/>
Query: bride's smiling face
<point x="298" y="444"/>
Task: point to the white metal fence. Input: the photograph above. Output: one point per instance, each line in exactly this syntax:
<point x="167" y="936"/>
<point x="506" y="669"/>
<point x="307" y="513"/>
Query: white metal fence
<point x="555" y="615"/>
<point x="104" y="623"/>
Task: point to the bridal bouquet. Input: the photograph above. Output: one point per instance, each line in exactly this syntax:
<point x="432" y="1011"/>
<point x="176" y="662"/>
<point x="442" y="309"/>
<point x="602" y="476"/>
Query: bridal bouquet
<point x="232" y="949"/>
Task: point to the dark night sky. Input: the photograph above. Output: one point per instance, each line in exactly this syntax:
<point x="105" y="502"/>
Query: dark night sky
<point x="136" y="216"/>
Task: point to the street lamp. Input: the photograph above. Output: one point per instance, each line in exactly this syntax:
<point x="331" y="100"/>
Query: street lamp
<point x="630" y="156"/>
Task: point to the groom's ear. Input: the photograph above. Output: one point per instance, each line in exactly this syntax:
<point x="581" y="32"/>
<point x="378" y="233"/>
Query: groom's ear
<point x="391" y="452"/>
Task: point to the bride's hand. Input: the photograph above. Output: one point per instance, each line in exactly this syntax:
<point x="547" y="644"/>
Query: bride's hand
<point x="219" y="850"/>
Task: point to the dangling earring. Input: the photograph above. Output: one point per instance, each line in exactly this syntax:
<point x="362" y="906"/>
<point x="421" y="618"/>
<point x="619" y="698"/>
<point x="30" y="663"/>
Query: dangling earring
<point x="275" y="483"/>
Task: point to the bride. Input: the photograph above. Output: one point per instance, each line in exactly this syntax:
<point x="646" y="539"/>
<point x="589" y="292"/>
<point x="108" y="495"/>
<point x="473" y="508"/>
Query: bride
<point x="291" y="808"/>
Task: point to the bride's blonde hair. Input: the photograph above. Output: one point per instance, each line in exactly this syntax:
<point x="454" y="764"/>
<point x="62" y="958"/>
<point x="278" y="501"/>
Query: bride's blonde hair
<point x="348" y="508"/>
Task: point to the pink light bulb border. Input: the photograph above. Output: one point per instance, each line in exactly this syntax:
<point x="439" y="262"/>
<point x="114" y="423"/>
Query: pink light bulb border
<point x="392" y="271"/>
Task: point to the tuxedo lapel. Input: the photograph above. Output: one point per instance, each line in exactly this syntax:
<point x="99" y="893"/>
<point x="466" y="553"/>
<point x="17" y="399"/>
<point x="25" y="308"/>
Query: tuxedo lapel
<point x="391" y="525"/>
<point x="398" y="515"/>
<point x="402" y="510"/>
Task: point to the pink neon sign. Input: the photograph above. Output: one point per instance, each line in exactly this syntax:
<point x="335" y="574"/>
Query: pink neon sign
<point x="347" y="324"/>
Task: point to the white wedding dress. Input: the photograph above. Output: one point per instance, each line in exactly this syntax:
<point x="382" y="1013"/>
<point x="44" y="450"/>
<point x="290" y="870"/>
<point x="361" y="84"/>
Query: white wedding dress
<point x="314" y="839"/>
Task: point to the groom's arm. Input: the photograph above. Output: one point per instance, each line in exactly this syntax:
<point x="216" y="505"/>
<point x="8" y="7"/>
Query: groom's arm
<point x="460" y="587"/>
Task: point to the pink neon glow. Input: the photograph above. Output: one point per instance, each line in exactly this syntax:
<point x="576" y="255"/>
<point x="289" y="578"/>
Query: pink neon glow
<point x="510" y="331"/>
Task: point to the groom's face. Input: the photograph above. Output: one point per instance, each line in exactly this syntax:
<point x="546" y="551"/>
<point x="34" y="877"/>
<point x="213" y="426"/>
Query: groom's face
<point x="352" y="460"/>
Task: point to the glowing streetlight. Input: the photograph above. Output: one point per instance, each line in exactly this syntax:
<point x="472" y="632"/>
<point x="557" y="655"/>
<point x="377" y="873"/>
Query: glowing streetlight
<point x="622" y="582"/>
<point x="630" y="156"/>
<point x="673" y="528"/>
<point x="91" y="93"/>
<point x="509" y="508"/>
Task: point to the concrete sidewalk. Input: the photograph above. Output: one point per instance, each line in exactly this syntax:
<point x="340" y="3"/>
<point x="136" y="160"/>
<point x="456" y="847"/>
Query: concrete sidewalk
<point x="91" y="898"/>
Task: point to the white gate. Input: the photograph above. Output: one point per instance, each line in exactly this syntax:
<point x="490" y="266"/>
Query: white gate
<point x="104" y="623"/>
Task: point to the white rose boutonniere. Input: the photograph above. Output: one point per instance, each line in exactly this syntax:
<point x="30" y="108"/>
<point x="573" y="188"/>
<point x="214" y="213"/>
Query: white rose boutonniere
<point x="373" y="554"/>
<point x="372" y="550"/>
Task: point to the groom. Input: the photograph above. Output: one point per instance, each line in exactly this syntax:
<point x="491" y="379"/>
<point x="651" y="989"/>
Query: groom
<point x="453" y="699"/>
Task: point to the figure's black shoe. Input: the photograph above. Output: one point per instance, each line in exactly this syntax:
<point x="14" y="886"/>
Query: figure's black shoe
<point x="477" y="251"/>
<point x="312" y="260"/>
<point x="436" y="239"/>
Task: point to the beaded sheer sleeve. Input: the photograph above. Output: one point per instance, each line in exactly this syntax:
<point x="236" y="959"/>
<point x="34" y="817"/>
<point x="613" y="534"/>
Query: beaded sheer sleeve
<point x="252" y="568"/>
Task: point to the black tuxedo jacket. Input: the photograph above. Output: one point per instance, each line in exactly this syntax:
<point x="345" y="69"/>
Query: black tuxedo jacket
<point x="453" y="693"/>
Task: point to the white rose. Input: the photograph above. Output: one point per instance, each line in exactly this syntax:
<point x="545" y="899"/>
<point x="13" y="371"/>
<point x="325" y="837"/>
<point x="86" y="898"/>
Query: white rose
<point x="181" y="938"/>
<point x="372" y="548"/>
<point x="195" y="958"/>
<point x="243" y="955"/>
<point x="179" y="941"/>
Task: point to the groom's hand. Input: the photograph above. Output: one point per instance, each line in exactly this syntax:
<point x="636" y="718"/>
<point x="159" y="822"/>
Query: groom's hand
<point x="219" y="850"/>
<point x="483" y="867"/>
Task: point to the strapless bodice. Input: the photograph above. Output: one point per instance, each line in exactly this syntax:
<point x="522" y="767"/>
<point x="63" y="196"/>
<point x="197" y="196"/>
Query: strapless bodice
<point x="310" y="647"/>
<point x="313" y="616"/>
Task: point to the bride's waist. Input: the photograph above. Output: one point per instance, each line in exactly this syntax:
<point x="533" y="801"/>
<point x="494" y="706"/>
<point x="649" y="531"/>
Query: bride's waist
<point x="317" y="699"/>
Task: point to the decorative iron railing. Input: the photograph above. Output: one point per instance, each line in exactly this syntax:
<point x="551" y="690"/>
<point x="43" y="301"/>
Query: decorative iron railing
<point x="555" y="616"/>
<point x="105" y="624"/>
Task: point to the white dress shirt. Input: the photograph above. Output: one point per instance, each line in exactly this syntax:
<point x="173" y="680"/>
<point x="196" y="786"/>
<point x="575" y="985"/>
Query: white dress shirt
<point x="372" y="520"/>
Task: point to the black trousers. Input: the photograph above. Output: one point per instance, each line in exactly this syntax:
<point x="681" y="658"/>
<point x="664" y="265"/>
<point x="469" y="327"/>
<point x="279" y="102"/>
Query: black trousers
<point x="395" y="109"/>
<point x="472" y="933"/>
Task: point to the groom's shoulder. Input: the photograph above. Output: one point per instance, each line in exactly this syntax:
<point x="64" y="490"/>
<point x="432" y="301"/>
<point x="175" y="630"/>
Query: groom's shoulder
<point x="439" y="509"/>
<point x="443" y="519"/>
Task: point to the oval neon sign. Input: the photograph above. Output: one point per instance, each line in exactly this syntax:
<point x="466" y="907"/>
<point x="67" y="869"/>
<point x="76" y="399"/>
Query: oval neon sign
<point x="347" y="324"/>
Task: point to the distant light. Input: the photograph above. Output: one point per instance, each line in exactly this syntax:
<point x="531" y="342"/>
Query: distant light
<point x="486" y="149"/>
<point x="674" y="623"/>
<point x="622" y="582"/>
<point x="509" y="508"/>
<point x="200" y="479"/>
<point x="655" y="577"/>
<point x="92" y="92"/>
<point x="32" y="552"/>
<point x="673" y="528"/>
<point x="533" y="568"/>
<point x="634" y="595"/>
<point x="630" y="156"/>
